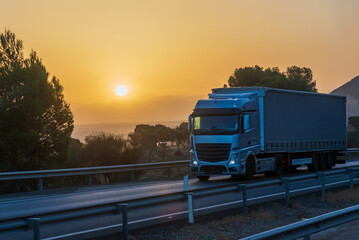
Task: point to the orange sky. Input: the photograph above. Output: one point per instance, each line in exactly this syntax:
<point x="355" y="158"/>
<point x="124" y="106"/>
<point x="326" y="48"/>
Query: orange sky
<point x="170" y="53"/>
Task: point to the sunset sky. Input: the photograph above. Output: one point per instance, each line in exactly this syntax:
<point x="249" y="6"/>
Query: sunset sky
<point x="170" y="53"/>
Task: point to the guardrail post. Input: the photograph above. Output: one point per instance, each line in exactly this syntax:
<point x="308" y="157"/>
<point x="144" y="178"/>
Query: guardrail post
<point x="322" y="180"/>
<point x="351" y="178"/>
<point x="185" y="183"/>
<point x="40" y="184"/>
<point x="168" y="172"/>
<point x="123" y="209"/>
<point x="244" y="198"/>
<point x="89" y="179"/>
<point x="34" y="223"/>
<point x="132" y="176"/>
<point x="190" y="208"/>
<point x="287" y="192"/>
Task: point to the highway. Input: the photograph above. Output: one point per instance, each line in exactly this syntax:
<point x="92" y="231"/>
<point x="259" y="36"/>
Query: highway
<point x="46" y="203"/>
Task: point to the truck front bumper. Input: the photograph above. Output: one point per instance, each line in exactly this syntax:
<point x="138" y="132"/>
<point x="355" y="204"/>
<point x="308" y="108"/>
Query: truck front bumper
<point x="215" y="169"/>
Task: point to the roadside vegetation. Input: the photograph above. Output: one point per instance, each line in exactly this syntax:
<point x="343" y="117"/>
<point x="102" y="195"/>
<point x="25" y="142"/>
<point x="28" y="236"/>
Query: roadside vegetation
<point x="36" y="123"/>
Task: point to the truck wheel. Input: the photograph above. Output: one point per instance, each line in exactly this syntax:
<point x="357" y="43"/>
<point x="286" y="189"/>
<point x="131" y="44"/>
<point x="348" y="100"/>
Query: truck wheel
<point x="330" y="162"/>
<point x="203" y="178"/>
<point x="313" y="167"/>
<point x="250" y="168"/>
<point x="322" y="161"/>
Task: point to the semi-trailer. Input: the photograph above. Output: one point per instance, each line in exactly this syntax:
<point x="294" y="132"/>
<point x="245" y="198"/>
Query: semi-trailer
<point x="250" y="130"/>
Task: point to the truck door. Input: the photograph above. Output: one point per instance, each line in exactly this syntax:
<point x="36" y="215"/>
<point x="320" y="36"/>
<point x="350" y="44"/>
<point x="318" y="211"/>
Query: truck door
<point x="249" y="129"/>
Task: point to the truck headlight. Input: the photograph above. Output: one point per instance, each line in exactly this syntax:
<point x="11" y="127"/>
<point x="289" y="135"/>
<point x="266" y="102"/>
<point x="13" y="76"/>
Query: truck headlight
<point x="193" y="158"/>
<point x="233" y="160"/>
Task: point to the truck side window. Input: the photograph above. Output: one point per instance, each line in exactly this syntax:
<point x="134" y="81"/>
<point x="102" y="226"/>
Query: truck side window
<point x="245" y="122"/>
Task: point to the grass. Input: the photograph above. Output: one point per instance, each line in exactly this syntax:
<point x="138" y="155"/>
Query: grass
<point x="220" y="229"/>
<point x="343" y="195"/>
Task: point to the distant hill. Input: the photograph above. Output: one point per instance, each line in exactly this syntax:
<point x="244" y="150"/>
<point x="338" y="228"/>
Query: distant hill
<point x="351" y="91"/>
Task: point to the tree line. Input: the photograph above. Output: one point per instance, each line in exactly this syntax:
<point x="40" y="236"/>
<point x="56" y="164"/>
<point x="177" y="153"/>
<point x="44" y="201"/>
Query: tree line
<point x="295" y="78"/>
<point x="147" y="143"/>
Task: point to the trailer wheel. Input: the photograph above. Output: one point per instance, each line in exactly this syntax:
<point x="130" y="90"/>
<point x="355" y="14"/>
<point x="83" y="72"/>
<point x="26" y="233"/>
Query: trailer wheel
<point x="313" y="167"/>
<point x="323" y="161"/>
<point x="250" y="168"/>
<point x="203" y="178"/>
<point x="330" y="162"/>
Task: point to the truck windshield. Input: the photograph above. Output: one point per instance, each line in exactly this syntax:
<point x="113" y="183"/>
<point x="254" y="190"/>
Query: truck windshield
<point x="216" y="124"/>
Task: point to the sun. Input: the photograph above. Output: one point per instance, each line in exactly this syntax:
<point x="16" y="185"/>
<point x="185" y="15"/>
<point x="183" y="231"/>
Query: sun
<point x="121" y="90"/>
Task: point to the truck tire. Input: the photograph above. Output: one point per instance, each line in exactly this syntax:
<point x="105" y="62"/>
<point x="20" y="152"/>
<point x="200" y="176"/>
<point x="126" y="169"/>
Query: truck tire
<point x="250" y="168"/>
<point x="278" y="167"/>
<point x="203" y="178"/>
<point x="330" y="162"/>
<point x="323" y="161"/>
<point x="313" y="167"/>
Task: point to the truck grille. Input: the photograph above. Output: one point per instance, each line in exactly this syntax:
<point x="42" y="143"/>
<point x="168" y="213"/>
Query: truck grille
<point x="213" y="152"/>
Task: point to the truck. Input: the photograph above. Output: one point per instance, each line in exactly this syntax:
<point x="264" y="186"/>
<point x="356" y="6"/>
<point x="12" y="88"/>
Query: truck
<point x="250" y="130"/>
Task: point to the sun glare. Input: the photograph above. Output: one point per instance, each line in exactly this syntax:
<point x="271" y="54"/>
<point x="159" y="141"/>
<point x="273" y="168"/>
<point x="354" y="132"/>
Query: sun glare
<point x="121" y="90"/>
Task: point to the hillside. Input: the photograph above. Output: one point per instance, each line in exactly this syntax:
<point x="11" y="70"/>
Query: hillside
<point x="351" y="91"/>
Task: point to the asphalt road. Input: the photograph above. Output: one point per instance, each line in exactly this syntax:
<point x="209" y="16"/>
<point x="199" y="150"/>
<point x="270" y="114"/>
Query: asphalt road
<point x="44" y="203"/>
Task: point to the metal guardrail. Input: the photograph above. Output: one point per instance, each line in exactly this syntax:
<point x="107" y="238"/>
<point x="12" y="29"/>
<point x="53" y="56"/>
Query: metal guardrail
<point x="90" y="171"/>
<point x="309" y="226"/>
<point x="122" y="208"/>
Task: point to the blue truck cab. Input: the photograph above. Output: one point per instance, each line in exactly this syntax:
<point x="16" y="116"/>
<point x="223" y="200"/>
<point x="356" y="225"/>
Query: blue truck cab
<point x="250" y="130"/>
